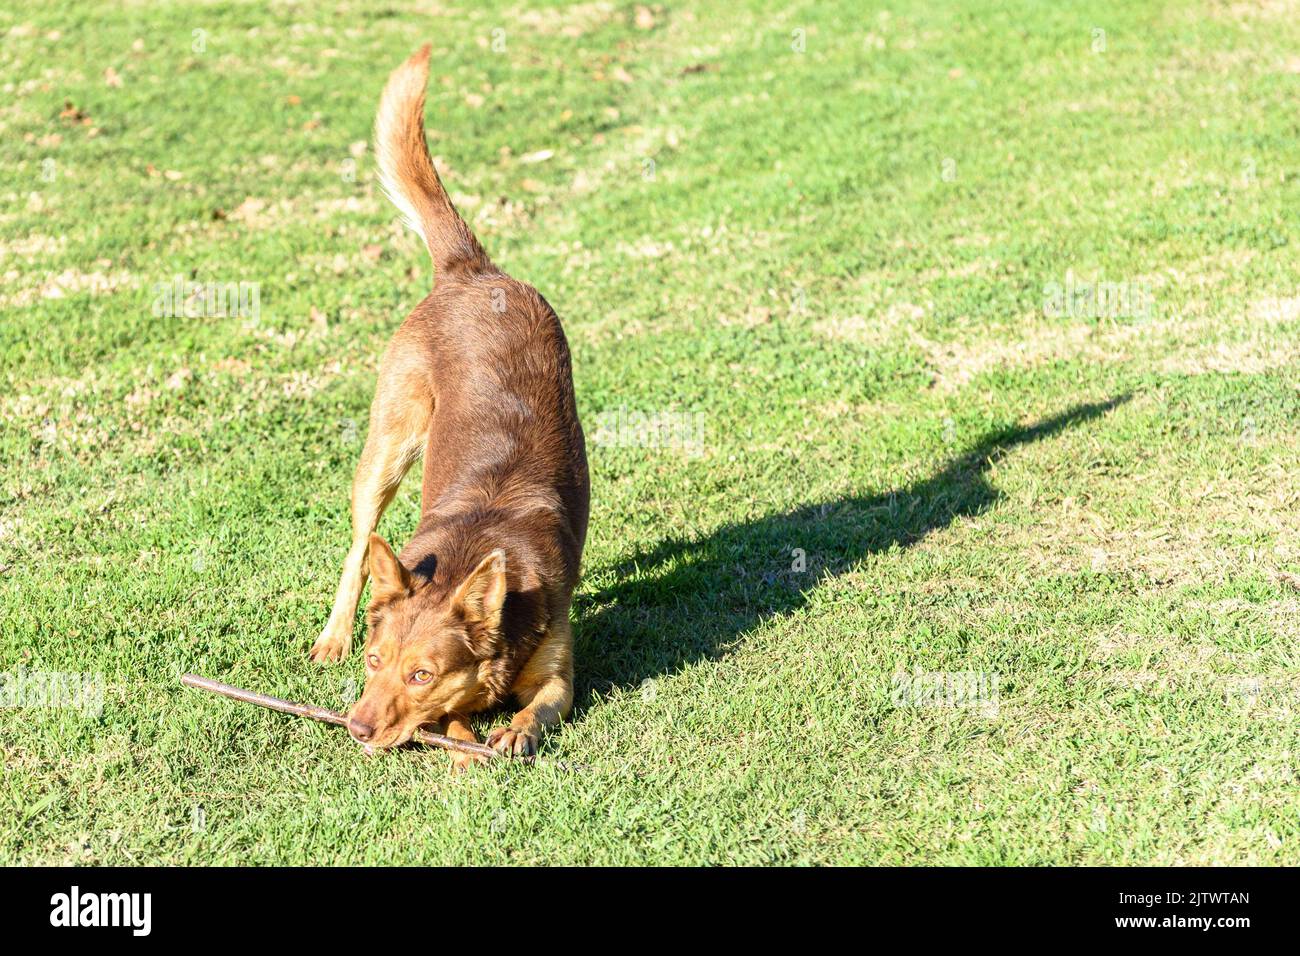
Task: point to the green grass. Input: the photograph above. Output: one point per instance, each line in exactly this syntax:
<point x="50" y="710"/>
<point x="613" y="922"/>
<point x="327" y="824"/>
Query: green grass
<point x="837" y="262"/>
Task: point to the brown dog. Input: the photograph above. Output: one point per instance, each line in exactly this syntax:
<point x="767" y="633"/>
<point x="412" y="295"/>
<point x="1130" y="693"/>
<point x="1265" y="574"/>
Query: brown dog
<point x="476" y="608"/>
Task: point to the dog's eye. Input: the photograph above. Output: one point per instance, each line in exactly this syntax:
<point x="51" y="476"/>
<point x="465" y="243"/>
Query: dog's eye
<point x="421" y="677"/>
<point x="373" y="660"/>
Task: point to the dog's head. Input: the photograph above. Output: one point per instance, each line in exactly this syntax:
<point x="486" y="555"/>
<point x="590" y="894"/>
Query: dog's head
<point x="430" y="649"/>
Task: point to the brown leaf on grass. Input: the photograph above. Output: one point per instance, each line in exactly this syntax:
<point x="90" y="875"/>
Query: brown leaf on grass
<point x="645" y="18"/>
<point x="232" y="366"/>
<point x="249" y="210"/>
<point x="372" y="251"/>
<point x="112" y="78"/>
<point x="74" y="114"/>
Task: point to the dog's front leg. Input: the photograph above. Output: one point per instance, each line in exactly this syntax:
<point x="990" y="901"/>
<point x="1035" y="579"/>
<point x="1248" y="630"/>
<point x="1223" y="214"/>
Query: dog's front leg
<point x="399" y="422"/>
<point x="458" y="728"/>
<point x="545" y="688"/>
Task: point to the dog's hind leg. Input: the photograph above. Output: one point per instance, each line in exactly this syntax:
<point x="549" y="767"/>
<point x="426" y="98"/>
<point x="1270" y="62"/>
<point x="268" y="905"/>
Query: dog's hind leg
<point x="399" y="423"/>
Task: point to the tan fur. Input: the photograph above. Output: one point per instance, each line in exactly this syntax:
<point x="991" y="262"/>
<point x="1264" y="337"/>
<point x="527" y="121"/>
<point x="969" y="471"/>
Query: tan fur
<point x="407" y="173"/>
<point x="399" y="421"/>
<point x="544" y="687"/>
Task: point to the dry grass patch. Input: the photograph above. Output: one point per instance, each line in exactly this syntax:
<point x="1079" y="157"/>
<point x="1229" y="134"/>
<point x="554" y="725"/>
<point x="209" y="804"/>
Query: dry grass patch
<point x="66" y="283"/>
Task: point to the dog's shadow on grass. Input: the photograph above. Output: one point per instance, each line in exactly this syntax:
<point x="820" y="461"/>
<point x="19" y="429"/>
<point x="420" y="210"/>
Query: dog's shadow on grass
<point x="689" y="600"/>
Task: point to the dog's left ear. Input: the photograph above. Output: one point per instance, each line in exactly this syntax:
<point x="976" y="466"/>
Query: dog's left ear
<point x="481" y="595"/>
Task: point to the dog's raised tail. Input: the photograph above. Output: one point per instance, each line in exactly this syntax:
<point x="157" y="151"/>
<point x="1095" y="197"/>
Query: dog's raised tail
<point x="407" y="175"/>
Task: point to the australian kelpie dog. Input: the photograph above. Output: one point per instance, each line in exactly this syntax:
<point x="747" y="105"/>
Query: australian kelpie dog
<point x="475" y="610"/>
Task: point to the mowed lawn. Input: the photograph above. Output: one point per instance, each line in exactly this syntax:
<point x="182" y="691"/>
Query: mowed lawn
<point x="903" y="549"/>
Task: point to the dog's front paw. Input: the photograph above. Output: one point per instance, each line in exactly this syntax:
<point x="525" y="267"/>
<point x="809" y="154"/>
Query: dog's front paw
<point x="461" y="762"/>
<point x="330" y="646"/>
<point x="513" y="743"/>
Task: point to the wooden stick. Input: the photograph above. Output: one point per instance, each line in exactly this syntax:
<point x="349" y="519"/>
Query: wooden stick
<point x="327" y="716"/>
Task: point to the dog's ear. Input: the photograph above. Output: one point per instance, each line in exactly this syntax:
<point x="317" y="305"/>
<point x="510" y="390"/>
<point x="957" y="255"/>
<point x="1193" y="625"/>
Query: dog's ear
<point x="480" y="596"/>
<point x="389" y="579"/>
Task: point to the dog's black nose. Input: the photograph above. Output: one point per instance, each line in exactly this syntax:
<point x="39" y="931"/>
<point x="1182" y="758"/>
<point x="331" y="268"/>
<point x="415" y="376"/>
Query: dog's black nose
<point x="363" y="732"/>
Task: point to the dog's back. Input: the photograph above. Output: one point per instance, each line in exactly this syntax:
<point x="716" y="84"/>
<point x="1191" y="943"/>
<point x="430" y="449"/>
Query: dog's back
<point x="505" y="447"/>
